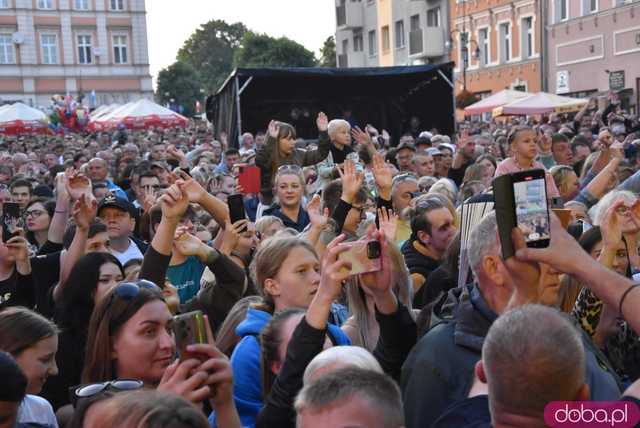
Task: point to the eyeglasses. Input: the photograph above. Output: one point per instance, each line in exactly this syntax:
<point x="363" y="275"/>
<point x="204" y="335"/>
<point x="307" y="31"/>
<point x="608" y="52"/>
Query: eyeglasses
<point x="96" y="388"/>
<point x="33" y="213"/>
<point x="289" y="168"/>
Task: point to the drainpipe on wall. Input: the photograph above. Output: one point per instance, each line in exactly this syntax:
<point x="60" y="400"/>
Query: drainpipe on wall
<point x="542" y="11"/>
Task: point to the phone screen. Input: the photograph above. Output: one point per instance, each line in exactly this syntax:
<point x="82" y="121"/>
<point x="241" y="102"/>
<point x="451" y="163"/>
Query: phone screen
<point x="532" y="214"/>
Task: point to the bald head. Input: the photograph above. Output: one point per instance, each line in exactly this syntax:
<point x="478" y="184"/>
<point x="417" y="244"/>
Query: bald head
<point x="97" y="169"/>
<point x="531" y="356"/>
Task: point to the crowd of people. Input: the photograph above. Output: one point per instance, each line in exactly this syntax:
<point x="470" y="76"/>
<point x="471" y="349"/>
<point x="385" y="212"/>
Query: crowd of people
<point x="117" y="233"/>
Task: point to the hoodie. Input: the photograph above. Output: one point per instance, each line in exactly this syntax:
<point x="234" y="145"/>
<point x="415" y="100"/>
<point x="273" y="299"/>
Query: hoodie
<point x="245" y="363"/>
<point x="439" y="369"/>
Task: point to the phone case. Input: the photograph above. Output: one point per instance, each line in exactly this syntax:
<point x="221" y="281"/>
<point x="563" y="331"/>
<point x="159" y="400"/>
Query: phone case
<point x="249" y="179"/>
<point x="189" y="329"/>
<point x="357" y="255"/>
<point x="236" y="207"/>
<point x="505" y="212"/>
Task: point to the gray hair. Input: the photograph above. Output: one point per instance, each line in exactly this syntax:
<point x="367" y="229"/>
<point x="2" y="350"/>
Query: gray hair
<point x="337" y="124"/>
<point x="379" y="391"/>
<point x="341" y="357"/>
<point x="446" y="187"/>
<point x="402" y="178"/>
<point x="483" y="240"/>
<point x="597" y="212"/>
<point x="532" y="355"/>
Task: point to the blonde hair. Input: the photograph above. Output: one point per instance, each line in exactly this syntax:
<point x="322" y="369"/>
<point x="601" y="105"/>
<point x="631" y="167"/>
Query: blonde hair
<point x="560" y="174"/>
<point x="265" y="222"/>
<point x="337" y="124"/>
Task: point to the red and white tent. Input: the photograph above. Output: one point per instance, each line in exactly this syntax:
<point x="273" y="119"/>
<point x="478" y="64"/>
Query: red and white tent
<point x="140" y="114"/>
<point x="498" y="99"/>
<point x="541" y="103"/>
<point x="19" y="118"/>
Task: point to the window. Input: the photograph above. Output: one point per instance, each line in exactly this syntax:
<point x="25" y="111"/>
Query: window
<point x="49" y="48"/>
<point x="45" y="4"/>
<point x="399" y="34"/>
<point x="386" y="43"/>
<point x="120" y="49"/>
<point x="527" y="37"/>
<point x="505" y="42"/>
<point x="464" y="50"/>
<point x="415" y="22"/>
<point x="84" y="49"/>
<point x="358" y="41"/>
<point x="7" y="55"/>
<point x="81" y="4"/>
<point x="373" y="43"/>
<point x="433" y="17"/>
<point x="116" y="4"/>
<point x="4" y="4"/>
<point x="483" y="45"/>
<point x="589" y="6"/>
<point x="562" y="10"/>
<point x="345" y="46"/>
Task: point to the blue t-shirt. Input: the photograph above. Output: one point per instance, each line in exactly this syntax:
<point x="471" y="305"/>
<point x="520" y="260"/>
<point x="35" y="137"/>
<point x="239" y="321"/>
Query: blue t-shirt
<point x="186" y="277"/>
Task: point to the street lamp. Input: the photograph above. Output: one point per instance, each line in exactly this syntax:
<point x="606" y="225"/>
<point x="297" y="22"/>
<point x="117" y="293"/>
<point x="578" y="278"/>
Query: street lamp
<point x="464" y="51"/>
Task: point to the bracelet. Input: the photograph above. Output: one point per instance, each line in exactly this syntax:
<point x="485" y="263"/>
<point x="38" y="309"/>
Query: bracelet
<point x="624" y="296"/>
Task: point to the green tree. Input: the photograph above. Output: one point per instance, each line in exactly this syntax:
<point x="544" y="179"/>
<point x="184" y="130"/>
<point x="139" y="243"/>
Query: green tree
<point x="210" y="50"/>
<point x="328" y="53"/>
<point x="180" y="81"/>
<point x="260" y="50"/>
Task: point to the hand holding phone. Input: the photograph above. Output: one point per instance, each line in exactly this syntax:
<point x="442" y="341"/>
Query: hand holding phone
<point x="364" y="256"/>
<point x="236" y="208"/>
<point x="12" y="218"/>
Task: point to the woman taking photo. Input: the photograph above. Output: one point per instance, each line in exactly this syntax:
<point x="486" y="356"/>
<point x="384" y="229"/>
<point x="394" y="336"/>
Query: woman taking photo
<point x="287" y="273"/>
<point x="90" y="279"/>
<point x="280" y="149"/>
<point x="33" y="341"/>
<point x="130" y="337"/>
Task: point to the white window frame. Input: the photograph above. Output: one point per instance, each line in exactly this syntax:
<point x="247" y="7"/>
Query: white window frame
<point x="44" y="4"/>
<point x="85" y="46"/>
<point x="558" y="9"/>
<point x="587" y="10"/>
<point x="501" y="43"/>
<point x="524" y="40"/>
<point x="438" y="17"/>
<point x="117" y="3"/>
<point x="7" y="49"/>
<point x="485" y="49"/>
<point x="400" y="39"/>
<point x="4" y="4"/>
<point x="81" y="4"/>
<point x="372" y="42"/>
<point x="358" y="41"/>
<point x="48" y="57"/>
<point x="120" y="46"/>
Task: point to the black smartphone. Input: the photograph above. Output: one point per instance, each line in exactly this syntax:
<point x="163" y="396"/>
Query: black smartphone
<point x="236" y="208"/>
<point x="12" y="217"/>
<point x="521" y="200"/>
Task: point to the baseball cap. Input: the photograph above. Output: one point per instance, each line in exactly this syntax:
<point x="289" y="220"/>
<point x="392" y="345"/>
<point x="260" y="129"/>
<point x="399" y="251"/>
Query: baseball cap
<point x="447" y="146"/>
<point x="406" y="145"/>
<point x="425" y="134"/>
<point x="112" y="201"/>
<point x="432" y="151"/>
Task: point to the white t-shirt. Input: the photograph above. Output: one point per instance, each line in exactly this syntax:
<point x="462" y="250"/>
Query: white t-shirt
<point x="133" y="252"/>
<point x="36" y="410"/>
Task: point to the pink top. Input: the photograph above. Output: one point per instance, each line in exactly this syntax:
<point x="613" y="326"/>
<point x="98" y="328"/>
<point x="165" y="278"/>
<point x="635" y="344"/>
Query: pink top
<point x="509" y="165"/>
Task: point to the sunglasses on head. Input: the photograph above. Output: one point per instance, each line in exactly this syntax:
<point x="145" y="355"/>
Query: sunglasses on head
<point x="289" y="168"/>
<point x="129" y="290"/>
<point x="93" y="389"/>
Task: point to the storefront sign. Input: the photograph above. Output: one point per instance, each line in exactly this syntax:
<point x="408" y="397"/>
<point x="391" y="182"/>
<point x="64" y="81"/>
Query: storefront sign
<point x="616" y="80"/>
<point x="562" y="82"/>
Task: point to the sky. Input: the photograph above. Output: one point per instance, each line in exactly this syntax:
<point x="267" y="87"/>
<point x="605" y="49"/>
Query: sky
<point x="170" y="23"/>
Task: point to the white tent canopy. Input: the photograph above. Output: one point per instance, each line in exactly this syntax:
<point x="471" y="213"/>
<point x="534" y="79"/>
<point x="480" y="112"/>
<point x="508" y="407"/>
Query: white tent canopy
<point x="20" y="111"/>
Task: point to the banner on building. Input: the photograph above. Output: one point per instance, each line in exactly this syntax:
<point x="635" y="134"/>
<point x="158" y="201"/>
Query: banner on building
<point x="562" y="82"/>
<point x="616" y="80"/>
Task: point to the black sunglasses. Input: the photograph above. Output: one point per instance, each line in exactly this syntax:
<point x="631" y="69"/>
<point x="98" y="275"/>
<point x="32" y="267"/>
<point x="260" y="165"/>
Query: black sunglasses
<point x="114" y="385"/>
<point x="129" y="290"/>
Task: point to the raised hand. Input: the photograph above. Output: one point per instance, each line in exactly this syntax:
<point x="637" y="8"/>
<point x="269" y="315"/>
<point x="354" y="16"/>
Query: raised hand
<point x="611" y="226"/>
<point x="351" y="180"/>
<point x="333" y="272"/>
<point x="318" y="219"/>
<point x="175" y="153"/>
<point x="194" y="191"/>
<point x="174" y="202"/>
<point x="388" y="222"/>
<point x="85" y="210"/>
<point x="322" y="122"/>
<point x="362" y="138"/>
<point x="186" y="243"/>
<point x="148" y="200"/>
<point x="527" y="275"/>
<point x="18" y="248"/>
<point x="274" y="129"/>
<point x="382" y="175"/>
<point x="380" y="282"/>
<point x="76" y="184"/>
<point x="231" y="236"/>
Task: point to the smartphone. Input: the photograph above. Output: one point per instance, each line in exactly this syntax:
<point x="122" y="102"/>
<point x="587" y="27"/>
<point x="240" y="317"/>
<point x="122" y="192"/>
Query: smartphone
<point x="189" y="329"/>
<point x="236" y="208"/>
<point x="364" y="256"/>
<point x="521" y="200"/>
<point x="249" y="178"/>
<point x="12" y="218"/>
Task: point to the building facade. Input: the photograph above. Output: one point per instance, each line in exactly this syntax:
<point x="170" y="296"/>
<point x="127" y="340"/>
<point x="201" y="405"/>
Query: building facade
<point x="496" y="45"/>
<point x="594" y="46"/>
<point x="50" y="47"/>
<point x="373" y="33"/>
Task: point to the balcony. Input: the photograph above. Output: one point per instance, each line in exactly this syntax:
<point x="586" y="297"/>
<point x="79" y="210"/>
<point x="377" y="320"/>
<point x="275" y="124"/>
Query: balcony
<point x="426" y="42"/>
<point x="343" y="61"/>
<point x="349" y="15"/>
